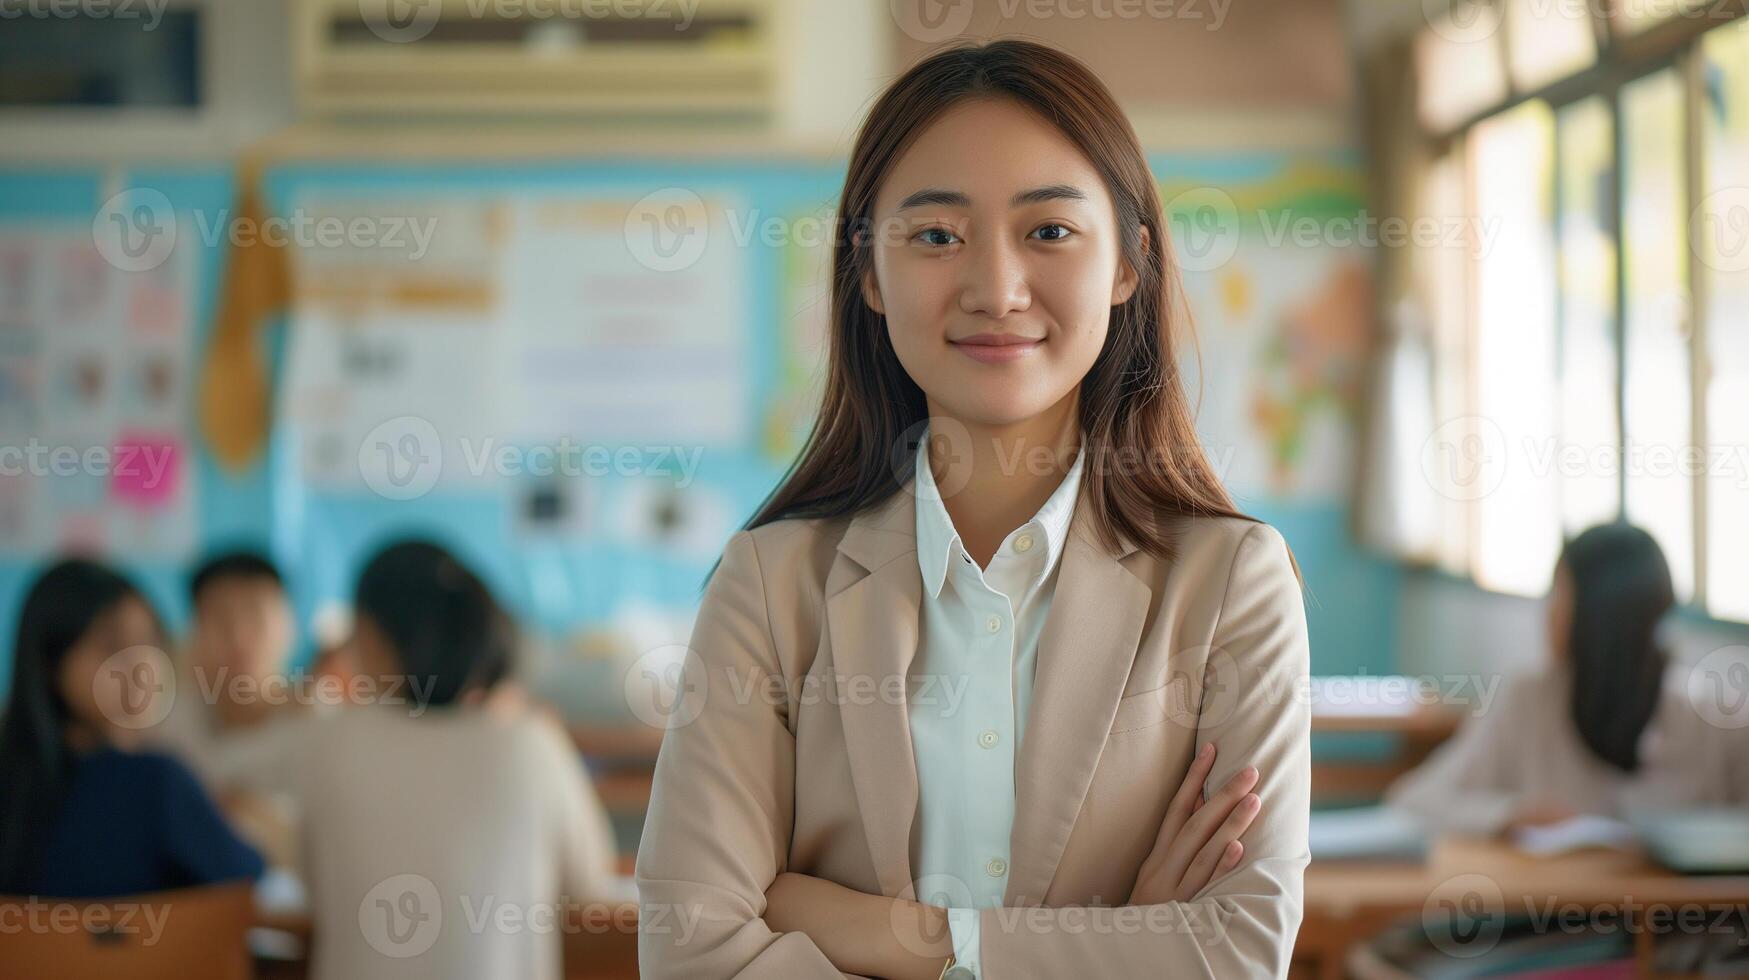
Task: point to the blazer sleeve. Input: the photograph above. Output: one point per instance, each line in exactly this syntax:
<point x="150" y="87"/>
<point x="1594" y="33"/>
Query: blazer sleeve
<point x="1243" y="924"/>
<point x="718" y="829"/>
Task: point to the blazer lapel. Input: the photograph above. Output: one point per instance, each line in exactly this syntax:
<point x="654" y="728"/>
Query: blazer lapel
<point x="1084" y="658"/>
<point x="874" y="592"/>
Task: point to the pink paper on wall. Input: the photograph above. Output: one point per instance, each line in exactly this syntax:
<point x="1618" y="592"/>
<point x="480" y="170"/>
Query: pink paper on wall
<point x="146" y="469"/>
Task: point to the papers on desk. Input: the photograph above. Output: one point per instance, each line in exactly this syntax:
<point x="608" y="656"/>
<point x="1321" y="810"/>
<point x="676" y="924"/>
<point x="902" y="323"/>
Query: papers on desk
<point x="281" y="892"/>
<point x="1574" y="834"/>
<point x="1383" y="696"/>
<point x="1376" y="833"/>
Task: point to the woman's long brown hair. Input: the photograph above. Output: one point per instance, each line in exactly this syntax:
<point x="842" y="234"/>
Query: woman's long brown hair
<point x="1143" y="460"/>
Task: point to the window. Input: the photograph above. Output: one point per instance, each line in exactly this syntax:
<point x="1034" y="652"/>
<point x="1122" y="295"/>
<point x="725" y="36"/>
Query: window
<point x="1593" y="349"/>
<point x="1590" y="494"/>
<point x="1547" y="41"/>
<point x="1722" y="247"/>
<point x="1656" y="399"/>
<point x="1460" y="59"/>
<point x="1516" y="537"/>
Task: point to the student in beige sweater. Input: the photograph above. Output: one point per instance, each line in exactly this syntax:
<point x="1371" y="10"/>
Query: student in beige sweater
<point x="444" y="832"/>
<point x="1607" y="727"/>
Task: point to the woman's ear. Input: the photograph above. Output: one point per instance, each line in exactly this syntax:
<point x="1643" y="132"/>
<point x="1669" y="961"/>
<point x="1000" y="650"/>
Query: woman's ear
<point x="1125" y="286"/>
<point x="871" y="290"/>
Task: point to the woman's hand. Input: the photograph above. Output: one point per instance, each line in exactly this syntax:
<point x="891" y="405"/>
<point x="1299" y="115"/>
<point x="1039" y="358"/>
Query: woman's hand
<point x="1198" y="840"/>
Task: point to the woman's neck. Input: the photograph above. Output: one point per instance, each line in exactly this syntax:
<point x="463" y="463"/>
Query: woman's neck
<point x="1003" y="474"/>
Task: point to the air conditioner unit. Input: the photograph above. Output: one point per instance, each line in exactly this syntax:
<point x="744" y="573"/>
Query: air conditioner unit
<point x="498" y="58"/>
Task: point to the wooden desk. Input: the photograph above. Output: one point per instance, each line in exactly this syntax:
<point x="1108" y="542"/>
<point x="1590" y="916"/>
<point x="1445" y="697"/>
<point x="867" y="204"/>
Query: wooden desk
<point x="600" y="942"/>
<point x="1418" y="731"/>
<point x="1347" y="902"/>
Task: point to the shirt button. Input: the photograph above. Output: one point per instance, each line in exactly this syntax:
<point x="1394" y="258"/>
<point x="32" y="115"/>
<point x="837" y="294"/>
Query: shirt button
<point x="996" y="868"/>
<point x="1023" y="543"/>
<point x="987" y="738"/>
<point x="995" y="624"/>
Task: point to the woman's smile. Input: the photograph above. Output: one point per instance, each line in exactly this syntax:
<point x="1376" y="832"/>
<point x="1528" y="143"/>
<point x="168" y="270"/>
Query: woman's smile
<point x="997" y="348"/>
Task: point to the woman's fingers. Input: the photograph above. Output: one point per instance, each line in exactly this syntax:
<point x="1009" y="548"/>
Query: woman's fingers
<point x="1188" y="799"/>
<point x="1200" y="828"/>
<point x="1202" y="870"/>
<point x="1203" y="822"/>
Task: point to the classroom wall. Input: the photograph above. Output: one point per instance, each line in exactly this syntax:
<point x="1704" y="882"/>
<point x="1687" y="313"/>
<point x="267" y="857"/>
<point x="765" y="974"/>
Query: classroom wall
<point x="1255" y="309"/>
<point x="1448" y="626"/>
<point x="1275" y="136"/>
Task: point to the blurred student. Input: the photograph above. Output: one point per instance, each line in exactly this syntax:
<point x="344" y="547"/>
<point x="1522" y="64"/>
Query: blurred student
<point x="233" y="672"/>
<point x="82" y="816"/>
<point x="242" y="636"/>
<point x="427" y="817"/>
<point x="1603" y="729"/>
<point x="230" y="681"/>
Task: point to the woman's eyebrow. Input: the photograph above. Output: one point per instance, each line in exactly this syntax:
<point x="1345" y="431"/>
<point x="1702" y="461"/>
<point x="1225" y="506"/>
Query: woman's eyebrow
<point x="958" y="199"/>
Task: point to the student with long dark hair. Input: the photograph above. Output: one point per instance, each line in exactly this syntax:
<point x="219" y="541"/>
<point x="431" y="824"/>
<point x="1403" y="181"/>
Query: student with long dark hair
<point x="81" y="816"/>
<point x="955" y="691"/>
<point x="1601" y="728"/>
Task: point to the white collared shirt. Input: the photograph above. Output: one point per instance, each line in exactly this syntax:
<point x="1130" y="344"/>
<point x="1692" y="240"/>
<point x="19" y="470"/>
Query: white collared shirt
<point x="972" y="685"/>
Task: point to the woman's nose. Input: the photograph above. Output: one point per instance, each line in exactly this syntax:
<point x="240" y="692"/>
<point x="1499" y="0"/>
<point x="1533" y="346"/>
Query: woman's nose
<point x="995" y="281"/>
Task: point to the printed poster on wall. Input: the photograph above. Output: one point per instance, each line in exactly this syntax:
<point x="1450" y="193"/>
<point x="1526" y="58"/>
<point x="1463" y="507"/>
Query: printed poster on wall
<point x="95" y="383"/>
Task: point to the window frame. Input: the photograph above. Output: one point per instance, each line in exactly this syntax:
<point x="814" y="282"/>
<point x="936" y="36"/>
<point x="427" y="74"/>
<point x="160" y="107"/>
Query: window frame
<point x="1622" y="58"/>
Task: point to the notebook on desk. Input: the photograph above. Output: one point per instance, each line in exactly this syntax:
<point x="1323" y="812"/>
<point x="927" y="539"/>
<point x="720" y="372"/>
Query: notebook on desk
<point x="1366" y="833"/>
<point x="1574" y="834"/>
<point x="1705" y="841"/>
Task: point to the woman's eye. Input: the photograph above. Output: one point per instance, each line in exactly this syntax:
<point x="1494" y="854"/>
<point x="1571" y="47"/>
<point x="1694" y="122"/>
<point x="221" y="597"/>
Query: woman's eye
<point x="1061" y="231"/>
<point x="937" y="236"/>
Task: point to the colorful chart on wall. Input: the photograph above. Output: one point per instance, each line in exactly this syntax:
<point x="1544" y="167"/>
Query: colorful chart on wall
<point x="1277" y="275"/>
<point x="512" y="336"/>
<point x="95" y="369"/>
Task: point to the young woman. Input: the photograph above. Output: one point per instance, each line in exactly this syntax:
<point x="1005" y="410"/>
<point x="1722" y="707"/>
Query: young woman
<point x="427" y="816"/>
<point x="947" y="690"/>
<point x="80" y="815"/>
<point x="1599" y="730"/>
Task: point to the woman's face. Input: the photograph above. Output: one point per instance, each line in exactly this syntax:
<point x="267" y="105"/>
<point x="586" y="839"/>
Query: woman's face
<point x="1559" y="619"/>
<point x="115" y="680"/>
<point x="996" y="263"/>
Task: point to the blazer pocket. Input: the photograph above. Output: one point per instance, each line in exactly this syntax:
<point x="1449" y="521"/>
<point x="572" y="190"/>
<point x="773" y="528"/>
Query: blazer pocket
<point x="1144" y="710"/>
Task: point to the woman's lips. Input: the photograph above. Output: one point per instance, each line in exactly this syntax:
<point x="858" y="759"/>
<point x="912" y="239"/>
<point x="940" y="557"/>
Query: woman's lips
<point x="996" y="348"/>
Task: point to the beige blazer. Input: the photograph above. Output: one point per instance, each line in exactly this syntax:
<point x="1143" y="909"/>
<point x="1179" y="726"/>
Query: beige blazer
<point x="790" y="750"/>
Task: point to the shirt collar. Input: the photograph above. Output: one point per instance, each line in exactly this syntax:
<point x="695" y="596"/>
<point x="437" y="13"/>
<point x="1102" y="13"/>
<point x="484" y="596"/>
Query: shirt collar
<point x="938" y="542"/>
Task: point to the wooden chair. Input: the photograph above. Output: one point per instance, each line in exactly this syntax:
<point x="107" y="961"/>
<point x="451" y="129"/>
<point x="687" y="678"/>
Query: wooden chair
<point x="187" y="934"/>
